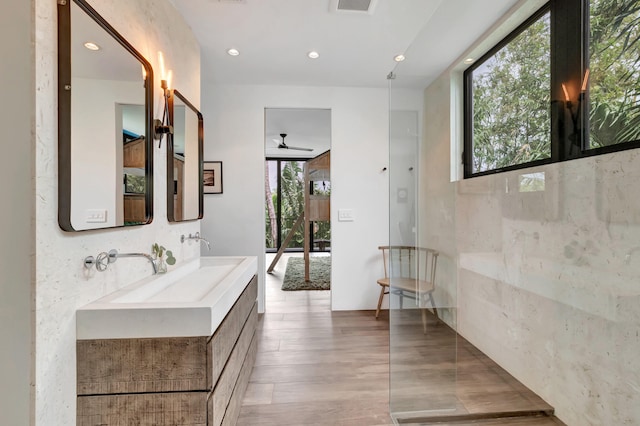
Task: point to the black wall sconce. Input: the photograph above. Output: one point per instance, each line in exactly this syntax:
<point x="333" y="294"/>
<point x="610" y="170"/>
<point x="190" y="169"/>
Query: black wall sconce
<point x="163" y="127"/>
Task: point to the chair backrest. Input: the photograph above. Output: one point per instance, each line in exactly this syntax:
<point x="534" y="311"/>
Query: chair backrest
<point x="410" y="262"/>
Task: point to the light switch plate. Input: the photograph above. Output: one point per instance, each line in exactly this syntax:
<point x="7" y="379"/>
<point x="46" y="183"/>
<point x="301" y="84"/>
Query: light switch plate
<point x="346" y="215"/>
<point x="96" y="216"/>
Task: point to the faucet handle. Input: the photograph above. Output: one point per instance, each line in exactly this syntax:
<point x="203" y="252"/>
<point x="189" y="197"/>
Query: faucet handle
<point x="195" y="236"/>
<point x="102" y="261"/>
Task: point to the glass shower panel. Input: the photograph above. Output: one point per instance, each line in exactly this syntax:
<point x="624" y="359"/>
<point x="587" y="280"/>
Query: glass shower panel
<point x="423" y="340"/>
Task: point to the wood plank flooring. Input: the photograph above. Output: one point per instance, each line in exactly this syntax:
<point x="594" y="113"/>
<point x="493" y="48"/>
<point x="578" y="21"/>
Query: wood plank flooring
<point x="316" y="367"/>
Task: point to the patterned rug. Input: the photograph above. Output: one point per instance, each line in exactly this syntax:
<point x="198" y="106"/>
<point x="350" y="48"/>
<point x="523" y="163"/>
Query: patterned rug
<point x="319" y="274"/>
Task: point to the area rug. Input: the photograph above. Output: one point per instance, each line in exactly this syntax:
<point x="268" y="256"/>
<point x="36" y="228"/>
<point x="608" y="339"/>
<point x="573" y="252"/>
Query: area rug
<point x="319" y="274"/>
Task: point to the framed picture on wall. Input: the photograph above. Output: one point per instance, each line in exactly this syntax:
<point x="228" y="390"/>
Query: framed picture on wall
<point x="212" y="177"/>
<point x="133" y="184"/>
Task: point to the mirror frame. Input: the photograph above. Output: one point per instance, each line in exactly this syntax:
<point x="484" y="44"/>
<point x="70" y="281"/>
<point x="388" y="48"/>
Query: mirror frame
<point x="64" y="113"/>
<point x="170" y="153"/>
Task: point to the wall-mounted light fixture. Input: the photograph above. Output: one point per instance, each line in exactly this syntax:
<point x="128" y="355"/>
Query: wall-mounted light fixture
<point x="92" y="46"/>
<point x="567" y="98"/>
<point x="575" y="113"/>
<point x="163" y="126"/>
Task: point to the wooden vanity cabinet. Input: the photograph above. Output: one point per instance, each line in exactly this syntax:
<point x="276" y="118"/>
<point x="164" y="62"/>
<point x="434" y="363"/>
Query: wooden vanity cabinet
<point x="197" y="380"/>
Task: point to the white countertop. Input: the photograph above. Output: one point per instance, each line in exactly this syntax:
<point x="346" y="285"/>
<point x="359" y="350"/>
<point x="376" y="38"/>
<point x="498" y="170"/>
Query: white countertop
<point x="191" y="300"/>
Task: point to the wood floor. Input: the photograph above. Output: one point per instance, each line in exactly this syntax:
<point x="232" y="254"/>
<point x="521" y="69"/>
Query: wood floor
<point x="317" y="367"/>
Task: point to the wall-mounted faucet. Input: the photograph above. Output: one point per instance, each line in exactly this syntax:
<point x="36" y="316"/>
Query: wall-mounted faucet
<point x="196" y="237"/>
<point x="103" y="260"/>
<point x="145" y="255"/>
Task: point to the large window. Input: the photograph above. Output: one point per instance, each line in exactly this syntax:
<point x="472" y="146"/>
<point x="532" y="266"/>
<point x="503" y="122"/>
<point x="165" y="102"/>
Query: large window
<point x="510" y="92"/>
<point x="284" y="207"/>
<point x="614" y="61"/>
<point x="536" y="98"/>
<point x="285" y="202"/>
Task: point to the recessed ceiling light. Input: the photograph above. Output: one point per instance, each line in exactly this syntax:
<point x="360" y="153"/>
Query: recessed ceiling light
<point x="469" y="61"/>
<point x="233" y="52"/>
<point x="313" y="54"/>
<point x="91" y="46"/>
<point x="399" y="58"/>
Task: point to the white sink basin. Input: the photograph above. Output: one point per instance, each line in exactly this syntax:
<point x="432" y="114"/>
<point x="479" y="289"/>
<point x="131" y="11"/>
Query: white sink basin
<point x="191" y="300"/>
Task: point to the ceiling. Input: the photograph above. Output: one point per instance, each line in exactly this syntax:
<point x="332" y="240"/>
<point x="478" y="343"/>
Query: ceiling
<point x="356" y="49"/>
<point x="304" y="127"/>
<point x="111" y="62"/>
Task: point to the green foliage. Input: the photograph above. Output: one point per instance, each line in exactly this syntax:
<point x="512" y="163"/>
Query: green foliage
<point x="614" y="91"/>
<point x="511" y="90"/>
<point x="511" y="102"/>
<point x="292" y="188"/>
<point x="159" y="251"/>
<point x="292" y="181"/>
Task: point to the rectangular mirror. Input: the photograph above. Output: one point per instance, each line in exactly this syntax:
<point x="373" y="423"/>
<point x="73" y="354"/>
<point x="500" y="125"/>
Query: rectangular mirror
<point x="105" y="141"/>
<point x="184" y="160"/>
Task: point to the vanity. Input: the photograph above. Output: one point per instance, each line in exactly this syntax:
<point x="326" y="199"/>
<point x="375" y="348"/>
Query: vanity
<point x="174" y="348"/>
<point x="171" y="349"/>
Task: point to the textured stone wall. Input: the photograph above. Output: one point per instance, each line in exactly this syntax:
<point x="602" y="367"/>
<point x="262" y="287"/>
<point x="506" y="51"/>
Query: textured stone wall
<point x="545" y="282"/>
<point x="62" y="284"/>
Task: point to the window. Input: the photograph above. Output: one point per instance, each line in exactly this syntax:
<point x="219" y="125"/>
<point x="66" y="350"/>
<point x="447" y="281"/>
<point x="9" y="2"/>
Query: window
<point x="614" y="63"/>
<point x="285" y="202"/>
<point x="284" y="193"/>
<point x="509" y="99"/>
<point x="535" y="98"/>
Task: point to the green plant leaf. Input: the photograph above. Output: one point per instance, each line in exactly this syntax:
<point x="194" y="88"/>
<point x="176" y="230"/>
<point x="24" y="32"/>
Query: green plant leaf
<point x="170" y="259"/>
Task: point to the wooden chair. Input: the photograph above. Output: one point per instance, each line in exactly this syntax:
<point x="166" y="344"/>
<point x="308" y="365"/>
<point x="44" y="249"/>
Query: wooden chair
<point x="409" y="272"/>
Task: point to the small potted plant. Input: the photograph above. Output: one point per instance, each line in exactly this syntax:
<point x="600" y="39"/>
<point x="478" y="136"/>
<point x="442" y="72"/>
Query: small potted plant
<point x="159" y="253"/>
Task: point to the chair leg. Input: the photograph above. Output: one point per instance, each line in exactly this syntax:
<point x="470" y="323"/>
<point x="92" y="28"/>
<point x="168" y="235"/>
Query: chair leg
<point x="433" y="304"/>
<point x="380" y="301"/>
<point x="424" y="321"/>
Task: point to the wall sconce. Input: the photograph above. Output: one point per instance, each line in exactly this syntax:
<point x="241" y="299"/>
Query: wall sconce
<point x="575" y="114"/>
<point x="583" y="89"/>
<point x="163" y="126"/>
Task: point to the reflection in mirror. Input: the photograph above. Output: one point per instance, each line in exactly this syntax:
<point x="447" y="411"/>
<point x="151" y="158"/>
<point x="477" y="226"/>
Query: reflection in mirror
<point x="104" y="121"/>
<point x="184" y="160"/>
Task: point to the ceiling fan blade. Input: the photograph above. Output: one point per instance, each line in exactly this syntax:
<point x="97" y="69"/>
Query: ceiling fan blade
<point x="283" y="145"/>
<point x="298" y="148"/>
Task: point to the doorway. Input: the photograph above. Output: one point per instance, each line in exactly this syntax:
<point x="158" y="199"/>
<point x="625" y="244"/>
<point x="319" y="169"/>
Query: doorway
<point x="297" y="200"/>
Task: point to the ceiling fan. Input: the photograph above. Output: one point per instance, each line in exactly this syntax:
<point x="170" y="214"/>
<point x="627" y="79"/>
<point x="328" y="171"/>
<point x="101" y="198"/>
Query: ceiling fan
<point x="282" y="145"/>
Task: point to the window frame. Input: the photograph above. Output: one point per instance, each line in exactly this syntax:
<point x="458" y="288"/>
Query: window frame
<point x="279" y="161"/>
<point x="569" y="27"/>
<point x="467" y="152"/>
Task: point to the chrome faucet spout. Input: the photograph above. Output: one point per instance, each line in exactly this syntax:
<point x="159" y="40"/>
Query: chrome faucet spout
<point x="117" y="255"/>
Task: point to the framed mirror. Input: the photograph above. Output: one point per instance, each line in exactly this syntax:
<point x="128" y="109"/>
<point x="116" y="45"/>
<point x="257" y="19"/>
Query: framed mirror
<point x="105" y="139"/>
<point x="184" y="160"/>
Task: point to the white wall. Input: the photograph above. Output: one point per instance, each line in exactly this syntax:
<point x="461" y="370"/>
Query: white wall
<point x="191" y="199"/>
<point x="96" y="171"/>
<point x="404" y="146"/>
<point x="235" y="221"/>
<point x="547" y="281"/>
<point x="16" y="215"/>
<point x="62" y="284"/>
